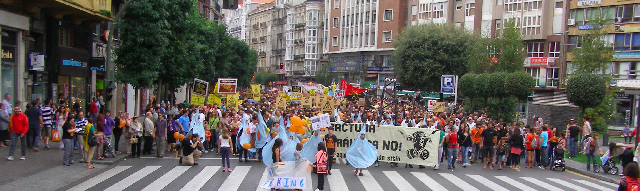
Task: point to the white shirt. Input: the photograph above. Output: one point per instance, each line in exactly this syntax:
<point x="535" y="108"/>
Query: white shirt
<point x="7" y="107"/>
<point x="224" y="142"/>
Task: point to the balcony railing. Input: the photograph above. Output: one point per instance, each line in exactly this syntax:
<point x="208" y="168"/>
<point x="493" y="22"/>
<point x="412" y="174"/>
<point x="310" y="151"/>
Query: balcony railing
<point x="298" y="57"/>
<point x="263" y="25"/>
<point x="299" y="25"/>
<point x="254" y="40"/>
<point x="263" y="39"/>
<point x="255" y="26"/>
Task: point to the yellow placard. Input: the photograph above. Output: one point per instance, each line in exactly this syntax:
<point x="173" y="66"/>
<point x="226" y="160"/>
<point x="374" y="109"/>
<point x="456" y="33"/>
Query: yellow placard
<point x="296" y="96"/>
<point x="325" y="91"/>
<point x="213" y="99"/>
<point x="197" y="99"/>
<point x="312" y="92"/>
<point x="232" y="100"/>
<point x="320" y="100"/>
<point x="306" y="102"/>
<point x="327" y="107"/>
<point x="281" y="103"/>
<point x="256" y="91"/>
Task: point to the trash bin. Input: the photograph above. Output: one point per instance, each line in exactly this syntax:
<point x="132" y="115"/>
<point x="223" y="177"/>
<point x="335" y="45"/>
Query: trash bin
<point x="605" y="139"/>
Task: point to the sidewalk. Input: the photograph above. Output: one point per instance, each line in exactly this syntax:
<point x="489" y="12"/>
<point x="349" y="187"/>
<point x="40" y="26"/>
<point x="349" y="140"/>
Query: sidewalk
<point x="581" y="168"/>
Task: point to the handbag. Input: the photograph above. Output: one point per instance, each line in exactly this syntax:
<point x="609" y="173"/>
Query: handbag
<point x="91" y="141"/>
<point x="133" y="140"/>
<point x="55" y="136"/>
<point x="516" y="151"/>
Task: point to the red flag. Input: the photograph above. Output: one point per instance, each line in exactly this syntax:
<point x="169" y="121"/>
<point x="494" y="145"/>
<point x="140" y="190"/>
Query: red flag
<point x="349" y="89"/>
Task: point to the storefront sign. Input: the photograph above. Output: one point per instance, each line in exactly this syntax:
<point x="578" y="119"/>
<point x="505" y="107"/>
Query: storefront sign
<point x="379" y="68"/>
<point x="588" y="27"/>
<point x="36" y="61"/>
<point x="538" y="62"/>
<point x="71" y="63"/>
<point x="8" y="54"/>
<point x="344" y="68"/>
<point x="281" y="83"/>
<point x="373" y="75"/>
<point x="626" y="55"/>
<point x="588" y="2"/>
<point x="97" y="64"/>
<point x="627" y="28"/>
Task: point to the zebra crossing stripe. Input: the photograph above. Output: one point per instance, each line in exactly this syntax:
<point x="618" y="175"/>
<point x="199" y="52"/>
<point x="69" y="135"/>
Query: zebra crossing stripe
<point x="235" y="178"/>
<point x="369" y="183"/>
<point x="458" y="182"/>
<point x="336" y="181"/>
<point x="166" y="179"/>
<point x="428" y="181"/>
<point x="263" y="179"/>
<point x="99" y="178"/>
<point x="541" y="184"/>
<point x="133" y="178"/>
<point x="593" y="185"/>
<point x="398" y="181"/>
<point x="487" y="182"/>
<point x="515" y="183"/>
<point x="608" y="184"/>
<point x="199" y="180"/>
<point x="567" y="184"/>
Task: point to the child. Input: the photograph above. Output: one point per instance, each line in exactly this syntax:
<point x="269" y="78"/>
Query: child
<point x="298" y="154"/>
<point x="321" y="165"/>
<point x="225" y="146"/>
<point x="207" y="137"/>
<point x="502" y="151"/>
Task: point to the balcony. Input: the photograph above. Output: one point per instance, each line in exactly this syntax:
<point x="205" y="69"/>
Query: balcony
<point x="263" y="39"/>
<point x="89" y="12"/>
<point x="263" y="25"/>
<point x="301" y="25"/>
<point x="262" y="54"/>
<point x="255" y="26"/>
<point x="298" y="57"/>
<point x="254" y="40"/>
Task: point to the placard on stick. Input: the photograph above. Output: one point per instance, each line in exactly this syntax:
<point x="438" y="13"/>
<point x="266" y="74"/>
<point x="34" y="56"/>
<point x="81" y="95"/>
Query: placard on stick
<point x="306" y="102"/>
<point x="438" y="107"/>
<point x="281" y="103"/>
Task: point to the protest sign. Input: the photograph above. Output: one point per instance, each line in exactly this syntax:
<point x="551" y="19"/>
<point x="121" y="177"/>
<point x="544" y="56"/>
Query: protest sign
<point x="214" y="99"/>
<point x="296" y="89"/>
<point x="200" y="87"/>
<point x="227" y="85"/>
<point x="255" y="88"/>
<point x="394" y="143"/>
<point x="281" y="103"/>
<point x="320" y="99"/>
<point x="288" y="175"/>
<point x="327" y="106"/>
<point x="232" y="100"/>
<point x="361" y="102"/>
<point x="438" y="107"/>
<point x="306" y="102"/>
<point x="319" y="122"/>
<point x="339" y="94"/>
<point x="197" y="99"/>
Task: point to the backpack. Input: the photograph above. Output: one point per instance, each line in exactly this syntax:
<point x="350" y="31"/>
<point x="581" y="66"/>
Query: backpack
<point x="534" y="143"/>
<point x="592" y="145"/>
<point x="629" y="184"/>
<point x="321" y="164"/>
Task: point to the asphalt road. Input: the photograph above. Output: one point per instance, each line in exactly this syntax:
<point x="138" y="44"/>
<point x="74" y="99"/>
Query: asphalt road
<point x="166" y="174"/>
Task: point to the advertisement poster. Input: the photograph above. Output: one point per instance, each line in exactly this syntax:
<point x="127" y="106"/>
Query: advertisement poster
<point x="227" y="85"/>
<point x="394" y="143"/>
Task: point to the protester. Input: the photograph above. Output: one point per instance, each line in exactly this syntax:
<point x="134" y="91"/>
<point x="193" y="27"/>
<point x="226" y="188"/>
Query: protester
<point x="68" y="129"/>
<point x="4" y="125"/>
<point x="34" y="114"/>
<point x="330" y="140"/>
<point x="189" y="151"/>
<point x="630" y="179"/>
<point x="160" y="135"/>
<point x="81" y="122"/>
<point x="47" y="121"/>
<point x="225" y="146"/>
<point x="516" y="142"/>
<point x="89" y="140"/>
<point x="109" y="125"/>
<point x="361" y="154"/>
<point x="489" y="139"/>
<point x="99" y="135"/>
<point x="321" y="165"/>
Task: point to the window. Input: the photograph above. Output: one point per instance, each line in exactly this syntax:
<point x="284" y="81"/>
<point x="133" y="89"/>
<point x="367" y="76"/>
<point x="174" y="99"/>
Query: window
<point x="334" y="41"/>
<point x="438" y="10"/>
<point x="553" y="77"/>
<point x="498" y="28"/>
<point x="414" y="10"/>
<point x="636" y="15"/>
<point x="531" y="25"/>
<point x="335" y="22"/>
<point x="469" y="9"/>
<point x="627" y="41"/>
<point x="535" y="73"/>
<point x="386" y="36"/>
<point x="512" y="5"/>
<point x="374" y="16"/>
<point x="336" y="4"/>
<point x="388" y="15"/>
<point x="535" y="49"/>
<point x="625" y="12"/>
<point x="532" y="4"/>
<point x="310" y="68"/>
<point x="554" y="49"/>
<point x="66" y="37"/>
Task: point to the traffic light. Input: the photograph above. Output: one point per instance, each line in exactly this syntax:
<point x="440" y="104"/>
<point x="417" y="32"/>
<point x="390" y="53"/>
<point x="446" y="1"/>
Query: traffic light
<point x="281" y="66"/>
<point x="254" y="76"/>
<point x="108" y="92"/>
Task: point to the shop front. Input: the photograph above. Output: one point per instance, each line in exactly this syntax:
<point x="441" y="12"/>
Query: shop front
<point x="12" y="51"/>
<point x="8" y="76"/>
<point x="72" y="82"/>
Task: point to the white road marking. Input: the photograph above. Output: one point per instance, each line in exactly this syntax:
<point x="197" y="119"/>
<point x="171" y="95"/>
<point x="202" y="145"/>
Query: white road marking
<point x="541" y="184"/>
<point x="133" y="178"/>
<point x="166" y="179"/>
<point x="428" y="181"/>
<point x="458" y="182"/>
<point x="567" y="184"/>
<point x="487" y="182"/>
<point x="235" y="178"/>
<point x="515" y="183"/>
<point x="369" y="183"/>
<point x="593" y="185"/>
<point x="398" y="180"/>
<point x="199" y="180"/>
<point x="336" y="181"/>
<point x="99" y="178"/>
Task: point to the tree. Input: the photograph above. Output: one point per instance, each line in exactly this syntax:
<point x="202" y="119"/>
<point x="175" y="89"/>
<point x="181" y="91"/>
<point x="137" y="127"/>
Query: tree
<point x="519" y="84"/>
<point x="467" y="87"/>
<point x="324" y="76"/>
<point x="213" y="65"/>
<point x="481" y="86"/>
<point x="426" y="52"/>
<point x="595" y="53"/>
<point x="240" y="61"/>
<point x="495" y="85"/>
<point x="586" y="90"/>
<point x="511" y="55"/>
<point x="265" y="78"/>
<point x="139" y="55"/>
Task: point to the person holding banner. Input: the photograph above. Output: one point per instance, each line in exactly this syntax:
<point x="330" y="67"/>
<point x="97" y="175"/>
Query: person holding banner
<point x="361" y="154"/>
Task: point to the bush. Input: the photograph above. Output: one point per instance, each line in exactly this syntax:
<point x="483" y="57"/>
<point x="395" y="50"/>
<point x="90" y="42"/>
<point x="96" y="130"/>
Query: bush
<point x="519" y="84"/>
<point x="586" y="90"/>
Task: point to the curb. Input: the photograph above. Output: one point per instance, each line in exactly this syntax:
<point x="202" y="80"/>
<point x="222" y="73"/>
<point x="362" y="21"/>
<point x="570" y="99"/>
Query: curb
<point x="591" y="175"/>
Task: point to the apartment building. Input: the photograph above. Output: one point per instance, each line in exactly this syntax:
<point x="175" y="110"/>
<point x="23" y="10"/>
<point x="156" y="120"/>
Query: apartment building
<point x="360" y="37"/>
<point x="258" y="30"/>
<point x="623" y="28"/>
<point x="304" y="38"/>
<point x="211" y="9"/>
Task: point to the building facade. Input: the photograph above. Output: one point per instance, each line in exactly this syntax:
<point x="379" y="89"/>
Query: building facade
<point x="304" y="39"/>
<point x="258" y="30"/>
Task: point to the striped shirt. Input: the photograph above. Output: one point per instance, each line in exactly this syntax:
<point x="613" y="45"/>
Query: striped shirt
<point x="80" y="123"/>
<point x="47" y="114"/>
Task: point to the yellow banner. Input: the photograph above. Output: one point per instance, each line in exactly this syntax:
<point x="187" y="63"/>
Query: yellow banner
<point x="256" y="91"/>
<point x="197" y="99"/>
<point x="213" y="99"/>
<point x="312" y="92"/>
<point x="232" y="100"/>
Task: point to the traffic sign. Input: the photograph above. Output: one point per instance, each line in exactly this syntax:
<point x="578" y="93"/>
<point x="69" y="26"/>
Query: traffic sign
<point x="448" y="84"/>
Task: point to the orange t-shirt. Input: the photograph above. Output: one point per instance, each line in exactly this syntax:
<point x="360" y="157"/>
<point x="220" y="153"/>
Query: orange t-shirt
<point x="475" y="135"/>
<point x="529" y="140"/>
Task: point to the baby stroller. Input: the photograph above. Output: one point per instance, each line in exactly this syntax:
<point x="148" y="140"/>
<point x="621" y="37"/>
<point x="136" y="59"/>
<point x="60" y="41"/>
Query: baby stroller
<point x="557" y="159"/>
<point x="608" y="166"/>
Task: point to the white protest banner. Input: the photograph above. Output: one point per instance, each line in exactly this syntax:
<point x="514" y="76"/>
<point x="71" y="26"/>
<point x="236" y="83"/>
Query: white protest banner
<point x="394" y="143"/>
<point x="319" y="122"/>
<point x="288" y="175"/>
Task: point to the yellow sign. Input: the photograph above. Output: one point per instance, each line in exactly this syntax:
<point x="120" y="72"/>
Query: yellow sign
<point x="256" y="91"/>
<point x="627" y="28"/>
<point x="327" y="107"/>
<point x="213" y="99"/>
<point x="306" y="102"/>
<point x="197" y="99"/>
<point x="232" y="100"/>
<point x="438" y="107"/>
<point x="296" y="96"/>
<point x="320" y="100"/>
<point x="325" y="91"/>
<point x="281" y="103"/>
<point x="312" y="92"/>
